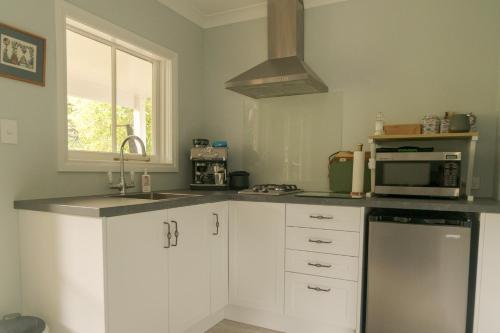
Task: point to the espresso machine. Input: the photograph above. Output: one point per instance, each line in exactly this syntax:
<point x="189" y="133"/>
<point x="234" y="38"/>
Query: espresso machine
<point x="209" y="168"/>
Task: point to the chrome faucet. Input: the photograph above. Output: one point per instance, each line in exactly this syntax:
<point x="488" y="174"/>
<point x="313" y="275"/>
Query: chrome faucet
<point x="123" y="186"/>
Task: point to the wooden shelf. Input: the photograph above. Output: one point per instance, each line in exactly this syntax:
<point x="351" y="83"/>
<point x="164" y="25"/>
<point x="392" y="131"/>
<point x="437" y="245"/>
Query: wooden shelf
<point x="439" y="136"/>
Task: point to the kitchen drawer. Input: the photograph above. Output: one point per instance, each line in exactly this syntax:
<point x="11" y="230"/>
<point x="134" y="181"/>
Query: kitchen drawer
<point x="321" y="300"/>
<point x="325" y="241"/>
<point x="324" y="217"/>
<point x="327" y="265"/>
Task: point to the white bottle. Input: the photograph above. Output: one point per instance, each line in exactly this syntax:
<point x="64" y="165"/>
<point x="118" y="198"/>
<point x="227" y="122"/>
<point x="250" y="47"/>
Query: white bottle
<point x="146" y="182"/>
<point x="379" y="124"/>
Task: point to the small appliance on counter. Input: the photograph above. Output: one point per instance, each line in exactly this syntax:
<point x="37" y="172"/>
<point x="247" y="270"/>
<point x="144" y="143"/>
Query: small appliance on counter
<point x="420" y="173"/>
<point x="219" y="144"/>
<point x="200" y="143"/>
<point x="340" y="172"/>
<point x="209" y="167"/>
<point x="272" y="189"/>
<point x="239" y="180"/>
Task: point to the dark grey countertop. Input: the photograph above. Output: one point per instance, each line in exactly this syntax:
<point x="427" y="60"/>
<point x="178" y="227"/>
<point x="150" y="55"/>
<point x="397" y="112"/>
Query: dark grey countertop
<point x="108" y="206"/>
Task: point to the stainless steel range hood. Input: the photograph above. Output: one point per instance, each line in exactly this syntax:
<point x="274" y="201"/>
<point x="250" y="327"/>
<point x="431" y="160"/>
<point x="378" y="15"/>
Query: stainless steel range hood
<point x="285" y="73"/>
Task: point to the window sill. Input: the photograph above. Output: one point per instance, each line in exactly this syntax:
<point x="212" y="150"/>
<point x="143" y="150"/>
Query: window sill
<point x="114" y="166"/>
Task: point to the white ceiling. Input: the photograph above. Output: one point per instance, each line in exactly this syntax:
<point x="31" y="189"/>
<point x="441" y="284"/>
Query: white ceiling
<point x="211" y="13"/>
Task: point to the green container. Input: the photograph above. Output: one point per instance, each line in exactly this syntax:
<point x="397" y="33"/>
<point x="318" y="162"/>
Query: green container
<point x="340" y="172"/>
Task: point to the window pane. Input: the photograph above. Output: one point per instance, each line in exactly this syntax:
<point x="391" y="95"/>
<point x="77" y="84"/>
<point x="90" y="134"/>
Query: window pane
<point x="89" y="94"/>
<point x="134" y="100"/>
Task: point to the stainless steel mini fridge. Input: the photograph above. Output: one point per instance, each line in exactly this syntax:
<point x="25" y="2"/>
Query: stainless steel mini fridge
<point x="418" y="272"/>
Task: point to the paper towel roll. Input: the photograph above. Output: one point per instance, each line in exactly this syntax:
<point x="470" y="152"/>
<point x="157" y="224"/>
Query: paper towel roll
<point x="358" y="173"/>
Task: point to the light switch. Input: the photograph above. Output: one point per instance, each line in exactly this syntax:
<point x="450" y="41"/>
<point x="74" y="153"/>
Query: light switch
<point x="8" y="131"/>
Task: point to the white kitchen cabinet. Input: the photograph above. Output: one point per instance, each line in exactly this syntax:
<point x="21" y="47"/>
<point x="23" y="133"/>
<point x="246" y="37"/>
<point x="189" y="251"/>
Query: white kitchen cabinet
<point x="119" y="275"/>
<point x="137" y="273"/>
<point x="321" y="264"/>
<point x="257" y="255"/>
<point x="324" y="217"/>
<point x="159" y="286"/>
<point x="323" y="267"/>
<point x="62" y="267"/>
<point x="178" y="283"/>
<point x="488" y="291"/>
<point x="321" y="300"/>
<point x="324" y="241"/>
<point x="189" y="266"/>
<point x="219" y="265"/>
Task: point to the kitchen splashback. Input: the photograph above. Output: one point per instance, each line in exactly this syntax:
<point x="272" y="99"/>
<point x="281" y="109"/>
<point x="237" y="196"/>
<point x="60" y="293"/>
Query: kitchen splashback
<point x="285" y="141"/>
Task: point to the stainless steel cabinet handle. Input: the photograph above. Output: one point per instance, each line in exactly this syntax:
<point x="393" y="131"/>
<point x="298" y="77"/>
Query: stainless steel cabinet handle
<point x="217" y="224"/>
<point x="319" y="265"/>
<point x="176" y="233"/>
<point x="319" y="241"/>
<point x="319" y="289"/>
<point x="169" y="235"/>
<point x="321" y="217"/>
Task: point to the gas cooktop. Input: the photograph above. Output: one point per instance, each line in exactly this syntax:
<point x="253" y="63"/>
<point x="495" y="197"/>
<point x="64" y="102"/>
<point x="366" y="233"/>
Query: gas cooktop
<point x="272" y="189"/>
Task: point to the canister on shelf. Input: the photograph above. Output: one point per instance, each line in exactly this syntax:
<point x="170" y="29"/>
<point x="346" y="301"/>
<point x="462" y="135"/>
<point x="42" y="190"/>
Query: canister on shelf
<point x="379" y="124"/>
<point x="472" y="121"/>
<point x="445" y="123"/>
<point x="430" y="124"/>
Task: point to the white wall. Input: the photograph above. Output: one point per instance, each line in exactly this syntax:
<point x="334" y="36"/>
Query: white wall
<point x="28" y="170"/>
<point x="404" y="58"/>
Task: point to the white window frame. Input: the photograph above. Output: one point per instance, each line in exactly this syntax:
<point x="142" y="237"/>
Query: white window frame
<point x="164" y="61"/>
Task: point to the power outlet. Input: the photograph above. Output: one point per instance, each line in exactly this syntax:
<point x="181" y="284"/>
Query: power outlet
<point x="8" y="131"/>
<point x="476" y="183"/>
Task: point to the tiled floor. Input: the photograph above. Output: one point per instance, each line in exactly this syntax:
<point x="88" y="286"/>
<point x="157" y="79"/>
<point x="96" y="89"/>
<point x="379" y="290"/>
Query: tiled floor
<point x="227" y="326"/>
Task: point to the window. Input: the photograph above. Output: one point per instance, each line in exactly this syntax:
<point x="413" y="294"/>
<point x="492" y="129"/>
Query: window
<point x="115" y="88"/>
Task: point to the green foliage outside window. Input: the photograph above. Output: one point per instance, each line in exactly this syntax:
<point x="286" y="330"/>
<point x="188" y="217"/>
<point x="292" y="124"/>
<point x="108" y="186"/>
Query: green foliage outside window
<point x="90" y="125"/>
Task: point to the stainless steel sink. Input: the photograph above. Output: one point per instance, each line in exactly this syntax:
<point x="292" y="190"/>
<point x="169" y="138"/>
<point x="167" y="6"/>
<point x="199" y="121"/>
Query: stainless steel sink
<point x="158" y="196"/>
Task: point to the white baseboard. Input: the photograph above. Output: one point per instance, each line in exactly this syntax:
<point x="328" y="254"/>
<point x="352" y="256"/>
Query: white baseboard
<point x="207" y="323"/>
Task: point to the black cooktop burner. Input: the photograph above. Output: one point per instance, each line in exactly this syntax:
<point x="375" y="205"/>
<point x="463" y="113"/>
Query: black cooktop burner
<point x="272" y="189"/>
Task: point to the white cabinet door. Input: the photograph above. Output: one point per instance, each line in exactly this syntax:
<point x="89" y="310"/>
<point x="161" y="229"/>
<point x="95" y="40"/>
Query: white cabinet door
<point x="257" y="255"/>
<point x="488" y="319"/>
<point x="321" y="300"/>
<point x="137" y="273"/>
<point x="218" y="234"/>
<point x="189" y="265"/>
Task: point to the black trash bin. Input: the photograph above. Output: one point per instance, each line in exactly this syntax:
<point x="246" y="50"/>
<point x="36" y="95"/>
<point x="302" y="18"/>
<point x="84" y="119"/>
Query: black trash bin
<point x="22" y="324"/>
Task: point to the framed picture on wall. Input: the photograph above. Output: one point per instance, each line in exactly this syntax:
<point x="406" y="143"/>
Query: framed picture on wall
<point x="22" y="55"/>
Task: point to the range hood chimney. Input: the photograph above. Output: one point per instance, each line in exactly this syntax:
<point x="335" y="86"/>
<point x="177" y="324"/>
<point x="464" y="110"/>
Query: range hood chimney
<point x="285" y="73"/>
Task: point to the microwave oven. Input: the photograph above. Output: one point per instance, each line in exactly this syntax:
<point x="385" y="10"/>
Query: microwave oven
<point x="432" y="174"/>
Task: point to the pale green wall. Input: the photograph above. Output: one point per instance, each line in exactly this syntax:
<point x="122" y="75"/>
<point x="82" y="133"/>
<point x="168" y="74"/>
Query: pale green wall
<point x="401" y="57"/>
<point x="28" y="170"/>
<point x="404" y="58"/>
